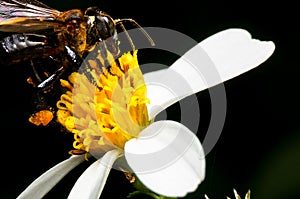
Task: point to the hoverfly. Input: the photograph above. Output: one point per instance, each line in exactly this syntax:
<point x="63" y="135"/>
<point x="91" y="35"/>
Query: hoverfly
<point x="51" y="41"/>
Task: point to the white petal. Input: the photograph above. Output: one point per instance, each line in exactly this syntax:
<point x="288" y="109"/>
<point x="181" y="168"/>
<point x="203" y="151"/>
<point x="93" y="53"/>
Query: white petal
<point x="43" y="184"/>
<point x="233" y="51"/>
<point x="91" y="183"/>
<point x="168" y="158"/>
<point x="218" y="58"/>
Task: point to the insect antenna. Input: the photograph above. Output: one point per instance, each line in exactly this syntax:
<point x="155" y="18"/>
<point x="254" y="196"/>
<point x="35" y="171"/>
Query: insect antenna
<point x="127" y="35"/>
<point x="120" y="22"/>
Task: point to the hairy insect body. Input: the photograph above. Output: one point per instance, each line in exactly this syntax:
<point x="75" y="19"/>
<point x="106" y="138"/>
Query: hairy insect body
<point x="55" y="43"/>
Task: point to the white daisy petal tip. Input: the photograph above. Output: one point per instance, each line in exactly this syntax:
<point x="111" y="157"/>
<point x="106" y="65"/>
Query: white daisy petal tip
<point x="168" y="159"/>
<point x="43" y="184"/>
<point x="220" y="57"/>
<point x="234" y="51"/>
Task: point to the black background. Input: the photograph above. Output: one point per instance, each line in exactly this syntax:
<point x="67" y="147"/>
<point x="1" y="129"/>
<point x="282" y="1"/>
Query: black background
<point x="260" y="144"/>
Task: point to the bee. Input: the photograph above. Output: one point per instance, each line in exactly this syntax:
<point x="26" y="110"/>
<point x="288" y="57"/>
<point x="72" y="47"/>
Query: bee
<point x="52" y="42"/>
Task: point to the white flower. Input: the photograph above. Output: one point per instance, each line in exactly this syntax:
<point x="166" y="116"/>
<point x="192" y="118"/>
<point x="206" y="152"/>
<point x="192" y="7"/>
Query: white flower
<point x="166" y="156"/>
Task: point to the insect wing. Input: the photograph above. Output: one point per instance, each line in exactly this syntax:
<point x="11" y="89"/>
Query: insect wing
<point x="26" y="16"/>
<point x="26" y="8"/>
<point x="30" y="3"/>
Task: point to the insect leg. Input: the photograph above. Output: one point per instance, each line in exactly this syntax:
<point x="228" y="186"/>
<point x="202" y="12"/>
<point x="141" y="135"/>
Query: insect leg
<point x="83" y="66"/>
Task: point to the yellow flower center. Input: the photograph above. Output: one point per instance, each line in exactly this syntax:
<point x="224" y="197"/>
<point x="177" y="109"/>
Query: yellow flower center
<point x="105" y="106"/>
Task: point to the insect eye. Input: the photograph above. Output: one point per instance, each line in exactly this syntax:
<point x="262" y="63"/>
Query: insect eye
<point x="105" y="26"/>
<point x="102" y="22"/>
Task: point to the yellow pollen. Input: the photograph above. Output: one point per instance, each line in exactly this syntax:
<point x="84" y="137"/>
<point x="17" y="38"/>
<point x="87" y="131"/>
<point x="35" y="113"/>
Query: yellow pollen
<point x="105" y="110"/>
<point x="43" y="117"/>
